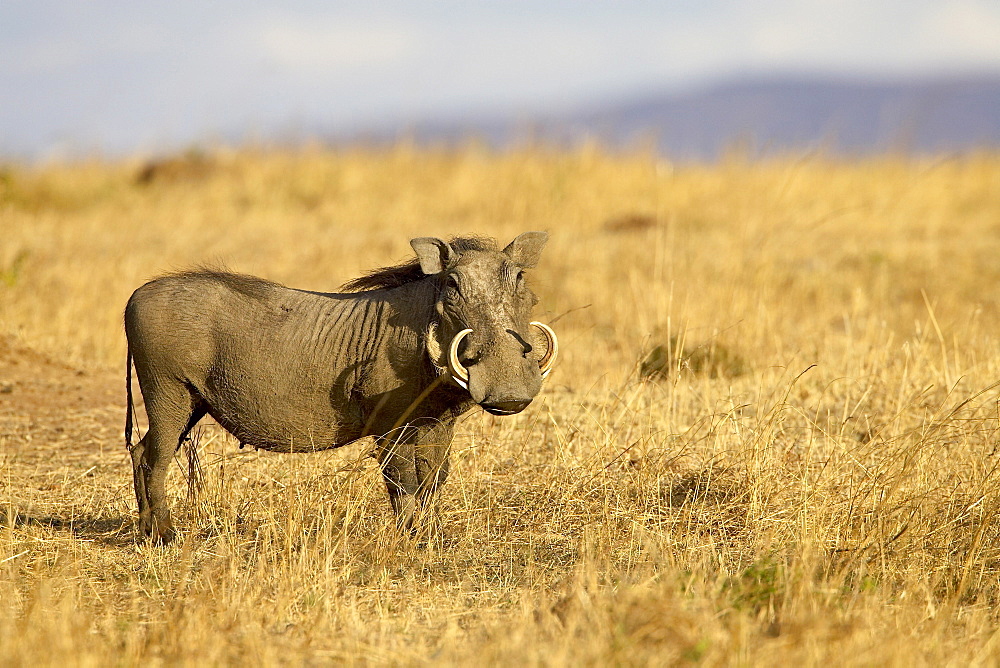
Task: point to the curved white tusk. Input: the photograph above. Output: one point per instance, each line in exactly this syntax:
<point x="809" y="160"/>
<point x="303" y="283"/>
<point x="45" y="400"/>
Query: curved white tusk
<point x="552" y="342"/>
<point x="458" y="372"/>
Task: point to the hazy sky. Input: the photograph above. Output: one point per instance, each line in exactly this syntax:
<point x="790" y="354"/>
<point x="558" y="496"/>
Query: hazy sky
<point x="137" y="76"/>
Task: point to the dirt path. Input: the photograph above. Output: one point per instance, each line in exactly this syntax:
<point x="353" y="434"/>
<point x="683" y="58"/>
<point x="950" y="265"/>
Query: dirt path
<point x="62" y="457"/>
<point x="51" y="414"/>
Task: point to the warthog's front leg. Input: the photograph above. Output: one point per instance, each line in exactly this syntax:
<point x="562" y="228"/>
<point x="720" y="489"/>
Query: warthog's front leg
<point x="396" y="457"/>
<point x="414" y="465"/>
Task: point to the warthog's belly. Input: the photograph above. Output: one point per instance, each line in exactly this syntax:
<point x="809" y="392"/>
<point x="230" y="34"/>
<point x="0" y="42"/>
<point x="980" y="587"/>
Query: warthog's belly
<point x="284" y="417"/>
<point x="285" y="435"/>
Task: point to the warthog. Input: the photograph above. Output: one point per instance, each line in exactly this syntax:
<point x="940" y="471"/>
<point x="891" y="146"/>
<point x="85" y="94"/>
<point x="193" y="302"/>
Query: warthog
<point x="399" y="356"/>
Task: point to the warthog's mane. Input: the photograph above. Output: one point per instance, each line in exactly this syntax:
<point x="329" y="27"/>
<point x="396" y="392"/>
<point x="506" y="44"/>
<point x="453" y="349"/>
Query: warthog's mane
<point x="409" y="271"/>
<point x="250" y="286"/>
<point x="376" y="279"/>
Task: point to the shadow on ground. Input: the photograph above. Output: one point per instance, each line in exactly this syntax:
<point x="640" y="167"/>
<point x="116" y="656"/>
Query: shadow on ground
<point x="117" y="532"/>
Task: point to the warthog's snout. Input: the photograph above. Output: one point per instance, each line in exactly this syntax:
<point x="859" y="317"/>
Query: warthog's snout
<point x="460" y="374"/>
<point x="506" y="407"/>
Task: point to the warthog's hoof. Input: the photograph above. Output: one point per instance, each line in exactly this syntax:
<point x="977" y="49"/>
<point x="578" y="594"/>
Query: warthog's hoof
<point x="159" y="530"/>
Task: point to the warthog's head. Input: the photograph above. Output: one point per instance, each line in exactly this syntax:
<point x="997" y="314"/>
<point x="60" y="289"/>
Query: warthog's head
<point x="484" y="336"/>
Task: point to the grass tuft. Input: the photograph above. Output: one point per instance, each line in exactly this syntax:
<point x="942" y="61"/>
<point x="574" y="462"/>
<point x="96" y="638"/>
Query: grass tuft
<point x="713" y="360"/>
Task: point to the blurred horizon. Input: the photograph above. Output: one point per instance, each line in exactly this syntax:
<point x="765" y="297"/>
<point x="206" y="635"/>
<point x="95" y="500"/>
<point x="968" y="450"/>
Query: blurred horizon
<point x="110" y="80"/>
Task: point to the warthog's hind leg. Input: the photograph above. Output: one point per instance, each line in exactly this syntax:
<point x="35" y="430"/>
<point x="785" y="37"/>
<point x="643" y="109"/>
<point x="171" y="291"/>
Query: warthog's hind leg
<point x="140" y="473"/>
<point x="150" y="462"/>
<point x="169" y="423"/>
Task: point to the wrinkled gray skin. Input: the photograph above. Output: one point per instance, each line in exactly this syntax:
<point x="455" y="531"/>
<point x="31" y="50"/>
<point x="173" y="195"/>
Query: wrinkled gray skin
<point x="289" y="371"/>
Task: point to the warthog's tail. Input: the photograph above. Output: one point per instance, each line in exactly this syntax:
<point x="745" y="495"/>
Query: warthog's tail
<point x="129" y="406"/>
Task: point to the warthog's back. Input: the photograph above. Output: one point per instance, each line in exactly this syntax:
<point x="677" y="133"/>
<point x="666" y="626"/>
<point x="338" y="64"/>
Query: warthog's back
<point x="275" y="366"/>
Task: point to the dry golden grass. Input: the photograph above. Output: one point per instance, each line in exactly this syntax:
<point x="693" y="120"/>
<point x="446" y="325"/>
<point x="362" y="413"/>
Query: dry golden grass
<point x="772" y="437"/>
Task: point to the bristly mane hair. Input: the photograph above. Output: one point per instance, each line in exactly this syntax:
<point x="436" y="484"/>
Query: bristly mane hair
<point x="249" y="286"/>
<point x="409" y="271"/>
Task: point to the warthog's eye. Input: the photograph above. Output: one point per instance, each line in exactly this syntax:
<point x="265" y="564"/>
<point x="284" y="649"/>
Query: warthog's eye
<point x="450" y="287"/>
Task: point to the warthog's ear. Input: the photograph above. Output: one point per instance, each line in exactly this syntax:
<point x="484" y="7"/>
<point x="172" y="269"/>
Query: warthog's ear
<point x="526" y="249"/>
<point x="435" y="255"/>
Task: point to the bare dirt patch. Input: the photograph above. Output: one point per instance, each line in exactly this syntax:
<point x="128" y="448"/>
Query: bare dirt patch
<point x="60" y="434"/>
<point x="53" y="413"/>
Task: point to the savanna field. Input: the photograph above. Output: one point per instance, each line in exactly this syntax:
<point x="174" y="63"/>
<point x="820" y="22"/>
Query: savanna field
<point x="773" y="435"/>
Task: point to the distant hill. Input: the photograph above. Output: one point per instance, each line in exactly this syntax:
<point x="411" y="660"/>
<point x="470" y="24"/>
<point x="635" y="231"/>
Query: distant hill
<point x="766" y="116"/>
